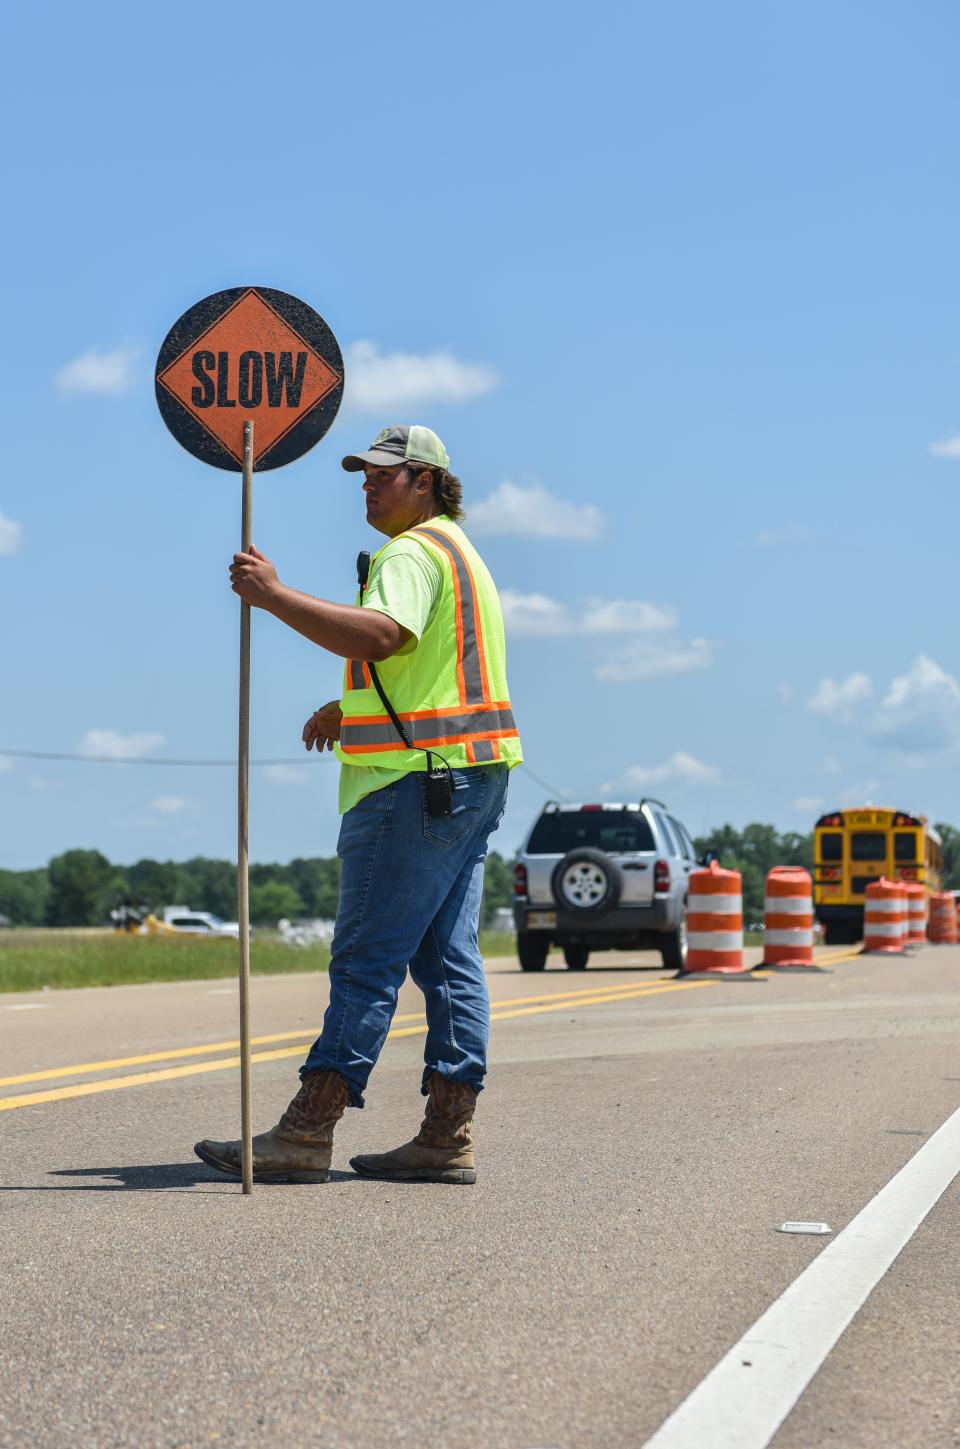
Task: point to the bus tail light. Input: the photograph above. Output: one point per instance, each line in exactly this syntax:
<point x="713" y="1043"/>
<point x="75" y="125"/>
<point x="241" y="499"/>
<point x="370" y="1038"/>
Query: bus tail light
<point x="519" y="880"/>
<point x="661" y="878"/>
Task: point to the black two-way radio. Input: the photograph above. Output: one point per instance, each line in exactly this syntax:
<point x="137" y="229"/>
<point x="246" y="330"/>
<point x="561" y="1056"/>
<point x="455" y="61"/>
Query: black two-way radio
<point x="439" y="778"/>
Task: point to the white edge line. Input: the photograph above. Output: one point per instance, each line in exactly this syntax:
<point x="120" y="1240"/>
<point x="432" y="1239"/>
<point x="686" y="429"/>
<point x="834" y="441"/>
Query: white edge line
<point x="741" y="1407"/>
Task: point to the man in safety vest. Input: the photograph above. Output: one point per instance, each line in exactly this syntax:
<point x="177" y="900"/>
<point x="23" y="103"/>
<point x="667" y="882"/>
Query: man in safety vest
<point x="426" y="739"/>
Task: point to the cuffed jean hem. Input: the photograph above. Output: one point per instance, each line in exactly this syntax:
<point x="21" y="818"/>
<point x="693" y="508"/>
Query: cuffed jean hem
<point x="469" y="1079"/>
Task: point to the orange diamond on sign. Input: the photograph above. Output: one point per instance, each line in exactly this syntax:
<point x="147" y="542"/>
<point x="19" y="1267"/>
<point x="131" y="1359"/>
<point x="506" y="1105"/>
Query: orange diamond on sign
<point x="250" y="365"/>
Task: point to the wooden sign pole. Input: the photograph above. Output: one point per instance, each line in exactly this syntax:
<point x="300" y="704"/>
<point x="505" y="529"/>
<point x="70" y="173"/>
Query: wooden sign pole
<point x="243" y="818"/>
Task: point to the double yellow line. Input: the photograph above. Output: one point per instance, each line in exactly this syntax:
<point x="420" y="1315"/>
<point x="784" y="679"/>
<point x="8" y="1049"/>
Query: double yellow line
<point x="500" y="1011"/>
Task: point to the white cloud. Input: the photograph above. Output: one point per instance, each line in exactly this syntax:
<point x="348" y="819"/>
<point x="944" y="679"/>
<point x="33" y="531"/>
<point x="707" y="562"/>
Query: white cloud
<point x="104" y="372"/>
<point x="530" y="511"/>
<point x="680" y="766"/>
<point x="808" y="804"/>
<point x="382" y="382"/>
<point x="837" y="701"/>
<point x="921" y="711"/>
<point x="11" y="536"/>
<point x="535" y="615"/>
<point x="538" y="614"/>
<point x="772" y="537"/>
<point x="644" y="659"/>
<point x="627" y="616"/>
<point x="6" y="764"/>
<point x="640" y="657"/>
<point x="285" y="774"/>
<point x="949" y="448"/>
<point x="168" y="804"/>
<point x="111" y="745"/>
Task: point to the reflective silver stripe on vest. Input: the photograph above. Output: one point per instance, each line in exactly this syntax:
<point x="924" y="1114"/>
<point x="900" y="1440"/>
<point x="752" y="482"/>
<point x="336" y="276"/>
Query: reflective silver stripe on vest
<point x="470" y="661"/>
<point x="483" y="750"/>
<point x="451" y="727"/>
<point x="357" y="680"/>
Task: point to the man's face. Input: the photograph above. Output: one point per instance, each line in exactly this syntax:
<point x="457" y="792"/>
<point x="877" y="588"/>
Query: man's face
<point x="394" y="499"/>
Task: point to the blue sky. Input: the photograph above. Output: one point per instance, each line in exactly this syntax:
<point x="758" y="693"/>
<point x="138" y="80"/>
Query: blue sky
<point x="675" y="284"/>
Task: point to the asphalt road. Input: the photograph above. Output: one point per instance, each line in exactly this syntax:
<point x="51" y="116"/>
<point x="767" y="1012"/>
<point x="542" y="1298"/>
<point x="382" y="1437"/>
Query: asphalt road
<point x="640" y="1140"/>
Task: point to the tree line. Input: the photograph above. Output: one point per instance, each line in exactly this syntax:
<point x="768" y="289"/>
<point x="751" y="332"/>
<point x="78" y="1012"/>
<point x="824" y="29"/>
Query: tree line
<point x="81" y="887"/>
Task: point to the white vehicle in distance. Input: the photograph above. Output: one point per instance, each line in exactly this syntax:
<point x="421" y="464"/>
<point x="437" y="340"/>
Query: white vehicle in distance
<point x="199" y="923"/>
<point x="603" y="878"/>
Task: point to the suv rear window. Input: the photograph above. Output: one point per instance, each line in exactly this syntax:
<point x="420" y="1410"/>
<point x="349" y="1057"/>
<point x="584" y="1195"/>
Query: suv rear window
<point x="616" y="831"/>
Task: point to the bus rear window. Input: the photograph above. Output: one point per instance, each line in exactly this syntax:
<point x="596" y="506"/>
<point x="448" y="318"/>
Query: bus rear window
<point x="904" y="846"/>
<point x="868" y="845"/>
<point x="831" y="846"/>
<point x="617" y="831"/>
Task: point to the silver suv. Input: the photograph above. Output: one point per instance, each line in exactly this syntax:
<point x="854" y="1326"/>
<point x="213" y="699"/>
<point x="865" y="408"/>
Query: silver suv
<point x="603" y="877"/>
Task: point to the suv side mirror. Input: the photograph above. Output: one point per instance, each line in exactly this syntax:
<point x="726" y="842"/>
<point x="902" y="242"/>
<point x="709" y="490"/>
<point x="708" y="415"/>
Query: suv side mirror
<point x="709" y="857"/>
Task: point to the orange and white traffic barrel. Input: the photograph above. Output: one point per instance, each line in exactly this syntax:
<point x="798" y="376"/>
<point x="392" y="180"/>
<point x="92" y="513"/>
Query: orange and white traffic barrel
<point x="715" y="921"/>
<point x="788" y="917"/>
<point x="942" y="927"/>
<point x="916" y="912"/>
<point x="885" y="918"/>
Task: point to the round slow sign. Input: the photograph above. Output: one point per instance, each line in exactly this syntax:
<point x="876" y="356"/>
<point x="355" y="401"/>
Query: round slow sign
<point x="249" y="354"/>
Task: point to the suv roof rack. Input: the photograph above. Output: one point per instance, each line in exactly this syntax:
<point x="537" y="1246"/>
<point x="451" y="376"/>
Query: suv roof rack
<point x="649" y="800"/>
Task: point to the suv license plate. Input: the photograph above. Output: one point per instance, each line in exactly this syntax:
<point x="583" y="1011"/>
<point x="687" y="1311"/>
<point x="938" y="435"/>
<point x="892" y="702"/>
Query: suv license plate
<point x="544" y="920"/>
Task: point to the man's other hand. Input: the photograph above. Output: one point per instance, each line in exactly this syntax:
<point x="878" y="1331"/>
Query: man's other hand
<point x="254" y="578"/>
<point x="323" y="727"/>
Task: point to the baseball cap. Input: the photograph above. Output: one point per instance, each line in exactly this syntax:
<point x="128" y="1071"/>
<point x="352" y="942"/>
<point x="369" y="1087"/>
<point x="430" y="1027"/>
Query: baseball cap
<point x="400" y="444"/>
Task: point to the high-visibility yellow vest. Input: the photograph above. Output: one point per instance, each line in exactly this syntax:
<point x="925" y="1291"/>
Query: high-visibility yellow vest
<point x="450" y="692"/>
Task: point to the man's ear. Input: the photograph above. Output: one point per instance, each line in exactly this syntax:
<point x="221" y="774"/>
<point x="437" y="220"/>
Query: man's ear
<point x="424" y="481"/>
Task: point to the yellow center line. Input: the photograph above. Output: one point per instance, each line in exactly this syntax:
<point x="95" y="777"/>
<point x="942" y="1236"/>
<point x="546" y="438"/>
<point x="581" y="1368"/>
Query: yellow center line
<point x="306" y="1034"/>
<point x="168" y="1074"/>
<point x="836" y="957"/>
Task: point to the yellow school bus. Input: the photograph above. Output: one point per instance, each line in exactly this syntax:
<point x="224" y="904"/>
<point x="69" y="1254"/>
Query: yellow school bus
<point x="851" y="848"/>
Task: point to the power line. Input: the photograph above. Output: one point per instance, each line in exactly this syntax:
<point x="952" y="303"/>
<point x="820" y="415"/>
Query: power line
<point x="154" y="760"/>
<point x="140" y="760"/>
<point x="544" y="784"/>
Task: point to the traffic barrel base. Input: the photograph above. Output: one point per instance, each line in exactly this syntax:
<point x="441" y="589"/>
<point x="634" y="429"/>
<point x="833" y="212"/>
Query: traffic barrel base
<point x="788" y="921"/>
<point x="884" y="919"/>
<point x="715" y="926"/>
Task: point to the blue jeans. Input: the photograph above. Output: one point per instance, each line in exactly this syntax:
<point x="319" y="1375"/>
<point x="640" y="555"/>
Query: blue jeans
<point x="410" y="894"/>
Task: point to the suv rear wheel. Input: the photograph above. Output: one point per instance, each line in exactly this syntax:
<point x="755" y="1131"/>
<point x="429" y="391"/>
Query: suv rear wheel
<point x="576" y="957"/>
<point x="673" y="949"/>
<point x="532" y="950"/>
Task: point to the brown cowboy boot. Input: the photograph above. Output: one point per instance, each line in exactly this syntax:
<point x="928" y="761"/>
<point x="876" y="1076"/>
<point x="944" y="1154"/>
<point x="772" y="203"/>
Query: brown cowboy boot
<point x="442" y="1150"/>
<point x="298" y="1149"/>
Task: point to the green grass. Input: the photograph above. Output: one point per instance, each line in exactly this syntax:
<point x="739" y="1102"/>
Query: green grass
<point x="31" y="960"/>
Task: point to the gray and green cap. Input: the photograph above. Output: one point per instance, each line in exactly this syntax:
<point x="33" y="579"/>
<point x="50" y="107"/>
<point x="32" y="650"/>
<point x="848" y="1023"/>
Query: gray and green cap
<point x="402" y="444"/>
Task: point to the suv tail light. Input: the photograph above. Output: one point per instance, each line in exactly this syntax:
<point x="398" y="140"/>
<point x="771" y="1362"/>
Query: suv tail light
<point x="661" y="877"/>
<point x="519" y="880"/>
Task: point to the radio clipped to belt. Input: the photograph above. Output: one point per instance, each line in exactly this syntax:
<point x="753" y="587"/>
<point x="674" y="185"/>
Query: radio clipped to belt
<point x="439" y="778"/>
